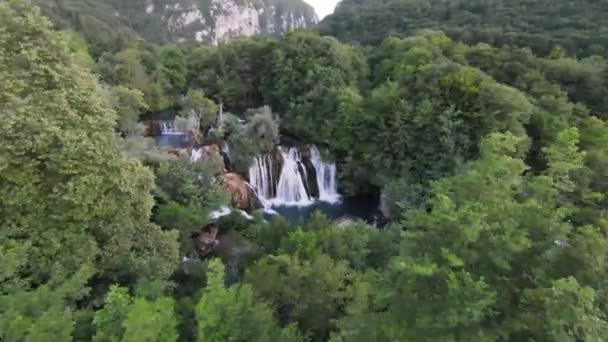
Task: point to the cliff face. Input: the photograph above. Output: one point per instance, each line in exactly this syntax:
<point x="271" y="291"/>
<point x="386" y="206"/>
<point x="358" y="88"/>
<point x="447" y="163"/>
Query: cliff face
<point x="206" y="21"/>
<point x="212" y="21"/>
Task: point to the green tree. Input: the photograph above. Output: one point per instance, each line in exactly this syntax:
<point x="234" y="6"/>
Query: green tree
<point x="187" y="193"/>
<point x="201" y="109"/>
<point x="478" y="264"/>
<point x="128" y="104"/>
<point x="75" y="206"/>
<point x="307" y="74"/>
<point x="235" y="314"/>
<point x="308" y="292"/>
<point x="124" y="318"/>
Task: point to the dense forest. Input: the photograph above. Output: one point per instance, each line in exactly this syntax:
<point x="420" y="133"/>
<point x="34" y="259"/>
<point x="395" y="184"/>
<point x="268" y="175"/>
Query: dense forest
<point x="579" y="27"/>
<point x="479" y="126"/>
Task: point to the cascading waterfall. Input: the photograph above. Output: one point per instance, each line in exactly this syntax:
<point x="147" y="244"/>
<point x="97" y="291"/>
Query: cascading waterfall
<point x="326" y="177"/>
<point x="168" y="127"/>
<point x="291" y="187"/>
<point x="260" y="177"/>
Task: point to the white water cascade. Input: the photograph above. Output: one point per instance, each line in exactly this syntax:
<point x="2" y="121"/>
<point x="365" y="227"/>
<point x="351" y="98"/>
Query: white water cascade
<point x="326" y="177"/>
<point x="290" y="187"/>
<point x="260" y="177"/>
<point x="168" y="127"/>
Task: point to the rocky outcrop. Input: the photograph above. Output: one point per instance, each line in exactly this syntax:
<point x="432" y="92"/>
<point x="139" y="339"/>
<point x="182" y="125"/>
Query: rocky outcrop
<point x="212" y="153"/>
<point x="310" y="173"/>
<point x="242" y="195"/>
<point x="205" y="241"/>
<point x="209" y="21"/>
<point x="225" y="19"/>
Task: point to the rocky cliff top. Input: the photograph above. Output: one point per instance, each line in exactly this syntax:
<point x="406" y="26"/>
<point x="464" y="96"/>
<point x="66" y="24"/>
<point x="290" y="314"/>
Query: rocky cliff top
<point x="207" y="21"/>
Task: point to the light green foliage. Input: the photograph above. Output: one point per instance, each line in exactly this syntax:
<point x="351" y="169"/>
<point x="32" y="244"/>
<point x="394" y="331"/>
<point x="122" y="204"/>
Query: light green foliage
<point x="79" y="49"/>
<point x="108" y="321"/>
<point x="40" y="315"/>
<point x="128" y="104"/>
<point x="151" y="321"/>
<point x="263" y="128"/>
<point x="235" y="314"/>
<point x="564" y="311"/>
<point x="124" y="318"/>
<point x="198" y="112"/>
<point x="74" y="205"/>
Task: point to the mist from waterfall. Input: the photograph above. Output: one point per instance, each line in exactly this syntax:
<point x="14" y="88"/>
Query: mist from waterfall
<point x="290" y="187"/>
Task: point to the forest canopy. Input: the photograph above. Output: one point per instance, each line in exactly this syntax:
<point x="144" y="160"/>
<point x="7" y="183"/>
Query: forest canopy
<point x="579" y="27"/>
<point x="480" y="126"/>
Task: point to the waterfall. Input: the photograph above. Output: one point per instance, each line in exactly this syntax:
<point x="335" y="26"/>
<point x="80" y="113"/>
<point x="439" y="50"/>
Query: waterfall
<point x="291" y="189"/>
<point x="326" y="177"/>
<point x="260" y="176"/>
<point x="226" y="148"/>
<point x="291" y="186"/>
<point x="196" y="155"/>
<point x="168" y="127"/>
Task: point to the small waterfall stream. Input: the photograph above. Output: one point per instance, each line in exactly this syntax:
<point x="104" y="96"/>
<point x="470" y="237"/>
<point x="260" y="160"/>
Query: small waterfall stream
<point x="168" y="127"/>
<point x="291" y="187"/>
<point x="260" y="176"/>
<point x="326" y="177"/>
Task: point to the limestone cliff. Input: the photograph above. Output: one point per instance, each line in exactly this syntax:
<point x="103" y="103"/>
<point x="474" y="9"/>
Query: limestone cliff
<point x="206" y="21"/>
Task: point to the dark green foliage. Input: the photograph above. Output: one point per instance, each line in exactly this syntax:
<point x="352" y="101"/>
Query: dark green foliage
<point x="235" y="314"/>
<point x="187" y="193"/>
<point x="578" y="27"/>
<point x="309" y="292"/>
<point x="308" y="72"/>
<point x="260" y="135"/>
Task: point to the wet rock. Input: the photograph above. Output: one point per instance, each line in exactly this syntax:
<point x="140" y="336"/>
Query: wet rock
<point x="309" y="173"/>
<point x="242" y="195"/>
<point x="205" y="241"/>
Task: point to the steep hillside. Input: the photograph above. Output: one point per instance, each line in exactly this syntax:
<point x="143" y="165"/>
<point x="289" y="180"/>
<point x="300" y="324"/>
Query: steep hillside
<point x="580" y="27"/>
<point x="208" y="21"/>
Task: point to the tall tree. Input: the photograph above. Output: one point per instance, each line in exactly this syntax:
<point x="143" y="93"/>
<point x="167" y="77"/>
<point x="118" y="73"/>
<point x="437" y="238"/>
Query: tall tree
<point x="235" y="314"/>
<point x="74" y="206"/>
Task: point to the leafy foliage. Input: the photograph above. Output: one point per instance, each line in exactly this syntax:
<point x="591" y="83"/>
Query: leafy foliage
<point x="76" y="207"/>
<point x="540" y="25"/>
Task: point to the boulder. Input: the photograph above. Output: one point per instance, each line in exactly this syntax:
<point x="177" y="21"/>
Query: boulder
<point x="242" y="195"/>
<point x="205" y="241"/>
